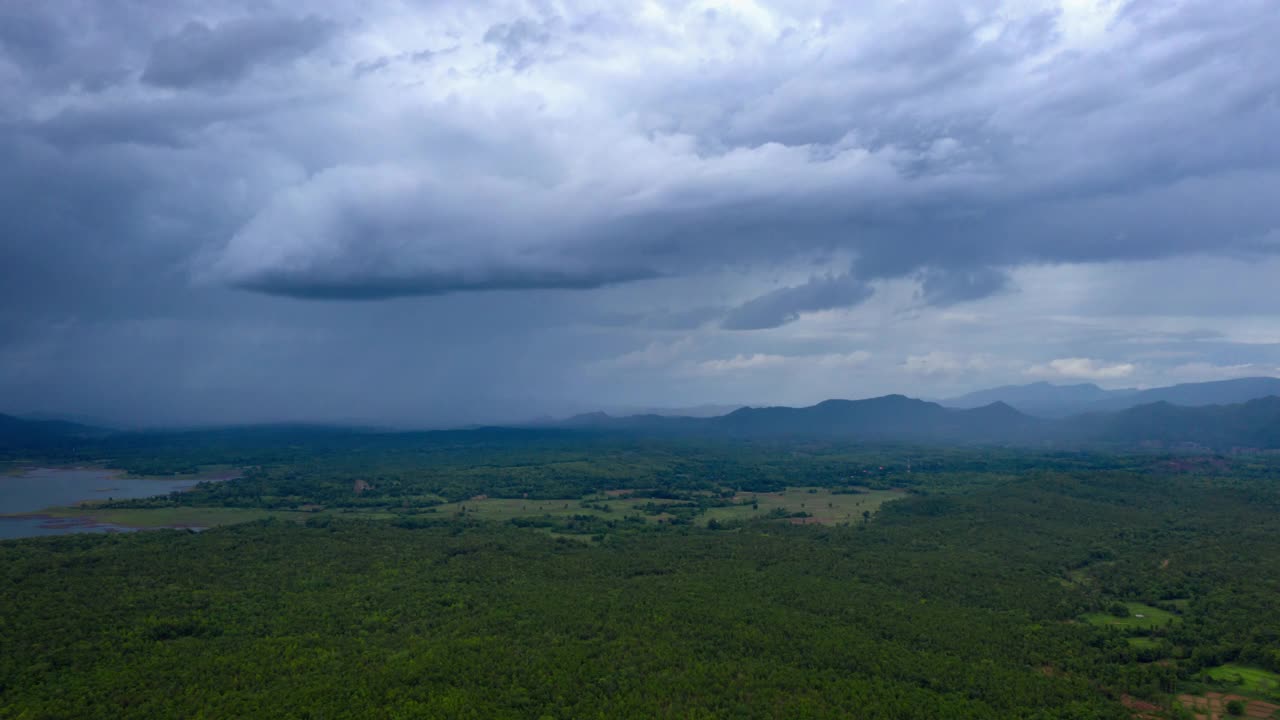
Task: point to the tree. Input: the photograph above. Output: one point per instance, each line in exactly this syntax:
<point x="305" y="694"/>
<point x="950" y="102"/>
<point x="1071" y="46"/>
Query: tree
<point x="1235" y="707"/>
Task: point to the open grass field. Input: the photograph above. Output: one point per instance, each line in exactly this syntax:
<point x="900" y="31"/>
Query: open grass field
<point x="503" y="509"/>
<point x="1143" y="643"/>
<point x="1141" y="617"/>
<point x="824" y="506"/>
<point x="1213" y="706"/>
<point x="1247" y="680"/>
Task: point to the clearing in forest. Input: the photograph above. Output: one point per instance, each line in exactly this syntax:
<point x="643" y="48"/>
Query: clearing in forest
<point x="504" y="509"/>
<point x="1213" y="706"/>
<point x="1140" y="617"/>
<point x="823" y="506"/>
<point x="1244" y="679"/>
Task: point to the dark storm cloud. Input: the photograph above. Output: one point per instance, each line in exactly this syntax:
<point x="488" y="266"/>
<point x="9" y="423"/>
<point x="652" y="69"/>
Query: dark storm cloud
<point x="366" y="287"/>
<point x="964" y="143"/>
<point x="166" y="122"/>
<point x="785" y="305"/>
<point x="171" y="172"/>
<point x="203" y="55"/>
<point x="36" y="38"/>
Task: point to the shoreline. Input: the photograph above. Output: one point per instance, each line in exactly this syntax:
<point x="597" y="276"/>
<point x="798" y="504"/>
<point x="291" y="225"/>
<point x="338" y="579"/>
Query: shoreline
<point x="86" y="515"/>
<point x="89" y="522"/>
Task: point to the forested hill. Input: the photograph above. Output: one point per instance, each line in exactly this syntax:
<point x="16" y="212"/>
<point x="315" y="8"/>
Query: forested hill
<point x="892" y="417"/>
<point x="1254" y="424"/>
<point x="19" y="433"/>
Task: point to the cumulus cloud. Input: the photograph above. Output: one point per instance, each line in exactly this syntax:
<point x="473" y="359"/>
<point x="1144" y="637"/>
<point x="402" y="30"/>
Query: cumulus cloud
<point x="1080" y="368"/>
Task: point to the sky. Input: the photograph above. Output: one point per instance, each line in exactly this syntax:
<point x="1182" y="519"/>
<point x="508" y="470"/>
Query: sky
<point x="431" y="213"/>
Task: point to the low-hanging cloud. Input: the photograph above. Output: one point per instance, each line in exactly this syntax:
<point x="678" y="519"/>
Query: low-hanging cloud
<point x="786" y="304"/>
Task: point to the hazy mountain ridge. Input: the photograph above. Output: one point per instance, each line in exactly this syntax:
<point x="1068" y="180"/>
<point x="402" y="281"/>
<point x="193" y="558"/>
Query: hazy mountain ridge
<point x="1044" y="399"/>
<point x="896" y="418"/>
<point x="1253" y="423"/>
<point x="1219" y="392"/>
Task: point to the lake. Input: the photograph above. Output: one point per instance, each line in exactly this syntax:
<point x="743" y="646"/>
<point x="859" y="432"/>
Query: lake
<point x="43" y="488"/>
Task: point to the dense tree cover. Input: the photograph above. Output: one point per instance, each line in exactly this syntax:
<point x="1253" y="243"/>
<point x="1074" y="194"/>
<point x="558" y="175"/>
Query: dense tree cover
<point x="963" y="600"/>
<point x="967" y="599"/>
<point x="285" y="468"/>
<point x="359" y="621"/>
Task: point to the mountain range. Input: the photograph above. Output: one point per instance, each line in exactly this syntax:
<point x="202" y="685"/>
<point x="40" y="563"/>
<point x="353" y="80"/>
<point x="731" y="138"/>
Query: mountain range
<point x="896" y="418"/>
<point x="1243" y="413"/>
<point x="1221" y="415"/>
<point x="1056" y="401"/>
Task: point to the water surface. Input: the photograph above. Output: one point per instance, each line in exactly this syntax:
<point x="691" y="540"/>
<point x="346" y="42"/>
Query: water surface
<point x="42" y="488"/>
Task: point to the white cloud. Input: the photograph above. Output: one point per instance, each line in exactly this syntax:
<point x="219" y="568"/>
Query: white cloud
<point x="739" y="363"/>
<point x="1081" y="369"/>
<point x="940" y="362"/>
<point x="791" y="363"/>
<point x="1204" y="371"/>
<point x="656" y="354"/>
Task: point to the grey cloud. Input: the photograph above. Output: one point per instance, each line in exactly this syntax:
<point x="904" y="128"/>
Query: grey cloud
<point x="54" y="51"/>
<point x="200" y="55"/>
<point x="172" y="123"/>
<point x="519" y="42"/>
<point x="942" y="287"/>
<point x="923" y="142"/>
<point x="662" y="319"/>
<point x="785" y="304"/>
<point x="367" y="67"/>
<point x="937" y="152"/>
<point x="380" y="232"/>
<point x="365" y="286"/>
